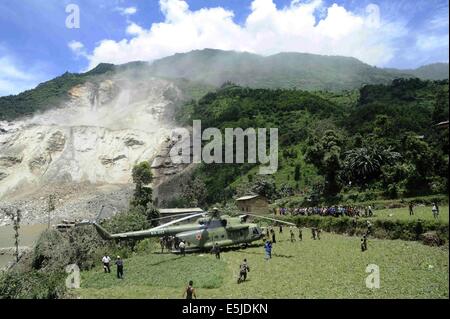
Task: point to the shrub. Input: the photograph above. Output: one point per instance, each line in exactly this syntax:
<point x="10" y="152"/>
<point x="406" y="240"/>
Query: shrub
<point x="126" y="222"/>
<point x="80" y="245"/>
<point x="432" y="238"/>
<point x="52" y="252"/>
<point x="389" y="229"/>
<point x="32" y="285"/>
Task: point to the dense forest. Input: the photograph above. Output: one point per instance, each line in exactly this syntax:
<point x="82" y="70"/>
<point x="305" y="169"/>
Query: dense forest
<point x="381" y="139"/>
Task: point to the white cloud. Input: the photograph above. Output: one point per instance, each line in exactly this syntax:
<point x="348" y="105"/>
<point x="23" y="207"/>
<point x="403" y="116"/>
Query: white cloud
<point x="134" y="29"/>
<point x="127" y="11"/>
<point x="267" y="30"/>
<point x="75" y="46"/>
<point x="433" y="42"/>
<point x="14" y="79"/>
<point x="78" y="49"/>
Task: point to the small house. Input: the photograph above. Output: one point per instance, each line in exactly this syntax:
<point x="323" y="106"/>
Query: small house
<point x="254" y="204"/>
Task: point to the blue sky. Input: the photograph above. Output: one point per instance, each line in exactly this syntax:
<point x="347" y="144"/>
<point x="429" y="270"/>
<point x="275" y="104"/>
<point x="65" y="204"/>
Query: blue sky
<point x="36" y="45"/>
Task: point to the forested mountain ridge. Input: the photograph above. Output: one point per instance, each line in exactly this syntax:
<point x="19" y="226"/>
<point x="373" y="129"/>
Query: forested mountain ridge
<point x="203" y="69"/>
<point x="284" y="70"/>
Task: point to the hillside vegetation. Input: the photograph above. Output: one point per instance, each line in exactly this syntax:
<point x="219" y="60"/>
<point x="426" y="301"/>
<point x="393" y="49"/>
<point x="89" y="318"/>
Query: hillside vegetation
<point x="380" y="139"/>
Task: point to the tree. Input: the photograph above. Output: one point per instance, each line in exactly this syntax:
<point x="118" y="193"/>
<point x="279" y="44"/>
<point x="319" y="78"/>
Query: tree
<point x="440" y="111"/>
<point x="152" y="214"/>
<point x="50" y="208"/>
<point x="142" y="175"/>
<point x="15" y="215"/>
<point x="418" y="153"/>
<point x="364" y="164"/>
<point x="264" y="186"/>
<point x="325" y="154"/>
<point x="194" y="192"/>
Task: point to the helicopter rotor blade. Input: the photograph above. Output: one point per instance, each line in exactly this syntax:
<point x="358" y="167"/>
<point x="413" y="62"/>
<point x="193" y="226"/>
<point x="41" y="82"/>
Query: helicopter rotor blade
<point x="97" y="218"/>
<point x="173" y="216"/>
<point x="177" y="221"/>
<point x="272" y="219"/>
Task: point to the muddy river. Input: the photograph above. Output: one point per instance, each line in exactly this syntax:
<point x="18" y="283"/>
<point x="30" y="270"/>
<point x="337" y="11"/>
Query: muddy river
<point x="28" y="236"/>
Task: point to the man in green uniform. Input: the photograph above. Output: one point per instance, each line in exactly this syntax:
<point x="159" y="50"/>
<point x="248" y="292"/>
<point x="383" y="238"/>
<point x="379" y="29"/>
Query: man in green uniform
<point x="364" y="243"/>
<point x="216" y="250"/>
<point x="411" y="208"/>
<point x="243" y="270"/>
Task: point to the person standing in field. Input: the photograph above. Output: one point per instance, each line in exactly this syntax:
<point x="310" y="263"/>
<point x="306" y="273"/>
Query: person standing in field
<point x="411" y="209"/>
<point x="364" y="243"/>
<point x="369" y="228"/>
<point x="268" y="250"/>
<point x="273" y="236"/>
<point x="243" y="270"/>
<point x="189" y="292"/>
<point x="313" y="233"/>
<point x="216" y="250"/>
<point x="162" y="243"/>
<point x="182" y="248"/>
<point x="106" y="260"/>
<point x="300" y="234"/>
<point x="435" y="211"/>
<point x="292" y="235"/>
<point x="119" y="264"/>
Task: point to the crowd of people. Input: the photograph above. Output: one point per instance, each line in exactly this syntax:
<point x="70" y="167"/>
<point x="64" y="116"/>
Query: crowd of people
<point x="170" y="243"/>
<point x="344" y="210"/>
<point x="336" y="211"/>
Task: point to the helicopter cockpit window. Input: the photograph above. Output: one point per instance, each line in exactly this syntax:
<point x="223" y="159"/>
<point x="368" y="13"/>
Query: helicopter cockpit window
<point x="255" y="231"/>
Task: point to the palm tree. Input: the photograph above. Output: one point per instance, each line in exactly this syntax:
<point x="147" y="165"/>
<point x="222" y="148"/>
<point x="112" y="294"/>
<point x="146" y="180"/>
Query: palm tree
<point x="365" y="163"/>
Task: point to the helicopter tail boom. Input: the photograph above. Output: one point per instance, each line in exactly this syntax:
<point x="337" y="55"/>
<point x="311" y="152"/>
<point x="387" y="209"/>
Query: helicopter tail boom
<point x="102" y="232"/>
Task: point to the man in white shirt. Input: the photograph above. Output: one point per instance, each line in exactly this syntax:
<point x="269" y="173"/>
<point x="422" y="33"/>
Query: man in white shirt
<point x="182" y="246"/>
<point x="435" y="211"/>
<point x="106" y="260"/>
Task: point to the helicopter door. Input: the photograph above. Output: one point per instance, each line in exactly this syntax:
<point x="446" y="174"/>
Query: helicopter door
<point x="236" y="235"/>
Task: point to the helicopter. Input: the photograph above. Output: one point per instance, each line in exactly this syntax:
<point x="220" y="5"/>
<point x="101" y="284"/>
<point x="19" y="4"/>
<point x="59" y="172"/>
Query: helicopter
<point x="210" y="228"/>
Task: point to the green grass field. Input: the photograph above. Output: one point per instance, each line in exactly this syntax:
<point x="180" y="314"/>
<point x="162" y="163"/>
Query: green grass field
<point x="422" y="212"/>
<point x="333" y="267"/>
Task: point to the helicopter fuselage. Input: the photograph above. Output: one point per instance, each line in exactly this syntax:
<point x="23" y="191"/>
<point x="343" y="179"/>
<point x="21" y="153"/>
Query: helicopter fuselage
<point x="223" y="231"/>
